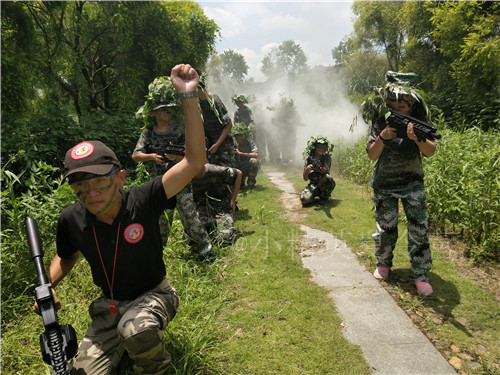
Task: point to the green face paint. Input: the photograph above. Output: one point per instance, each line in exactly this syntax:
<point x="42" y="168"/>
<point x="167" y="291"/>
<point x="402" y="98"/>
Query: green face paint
<point x="108" y="203"/>
<point x="83" y="195"/>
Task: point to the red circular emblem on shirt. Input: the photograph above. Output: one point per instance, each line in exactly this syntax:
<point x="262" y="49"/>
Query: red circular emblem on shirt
<point x="82" y="150"/>
<point x="134" y="233"/>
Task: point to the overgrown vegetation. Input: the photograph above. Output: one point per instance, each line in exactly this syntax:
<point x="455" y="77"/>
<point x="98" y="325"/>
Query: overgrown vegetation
<point x="454" y="46"/>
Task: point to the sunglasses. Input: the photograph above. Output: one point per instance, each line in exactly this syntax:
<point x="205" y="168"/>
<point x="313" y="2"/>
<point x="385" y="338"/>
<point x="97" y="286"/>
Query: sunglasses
<point x="97" y="182"/>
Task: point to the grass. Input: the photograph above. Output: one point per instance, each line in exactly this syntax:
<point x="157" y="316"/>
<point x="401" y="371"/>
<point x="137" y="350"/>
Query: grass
<point x="277" y="321"/>
<point x="254" y="309"/>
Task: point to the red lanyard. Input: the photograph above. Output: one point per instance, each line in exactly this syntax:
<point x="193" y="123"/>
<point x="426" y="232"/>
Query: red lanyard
<point x="112" y="306"/>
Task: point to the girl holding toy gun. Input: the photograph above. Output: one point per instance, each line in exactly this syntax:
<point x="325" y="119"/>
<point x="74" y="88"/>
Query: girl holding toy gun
<point x="398" y="175"/>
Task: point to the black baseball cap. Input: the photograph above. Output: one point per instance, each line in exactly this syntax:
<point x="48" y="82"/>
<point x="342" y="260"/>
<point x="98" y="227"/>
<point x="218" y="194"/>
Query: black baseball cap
<point x="90" y="157"/>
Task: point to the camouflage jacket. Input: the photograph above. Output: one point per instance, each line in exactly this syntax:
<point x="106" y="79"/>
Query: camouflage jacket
<point x="151" y="140"/>
<point x="399" y="167"/>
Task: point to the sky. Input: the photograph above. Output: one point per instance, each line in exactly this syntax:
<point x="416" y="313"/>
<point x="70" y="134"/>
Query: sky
<point x="252" y="28"/>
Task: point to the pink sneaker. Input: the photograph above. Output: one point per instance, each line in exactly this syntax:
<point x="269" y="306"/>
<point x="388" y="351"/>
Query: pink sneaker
<point x="423" y="288"/>
<point x="381" y="273"/>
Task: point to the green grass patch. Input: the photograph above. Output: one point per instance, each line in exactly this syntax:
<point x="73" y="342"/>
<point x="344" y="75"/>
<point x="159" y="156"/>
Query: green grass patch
<point x="277" y="321"/>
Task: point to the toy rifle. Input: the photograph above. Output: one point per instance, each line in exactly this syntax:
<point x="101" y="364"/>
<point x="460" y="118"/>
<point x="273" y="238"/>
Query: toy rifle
<point x="317" y="170"/>
<point x="58" y="343"/>
<point x="179" y="150"/>
<point x="174" y="149"/>
<point x="317" y="166"/>
<point x="423" y="130"/>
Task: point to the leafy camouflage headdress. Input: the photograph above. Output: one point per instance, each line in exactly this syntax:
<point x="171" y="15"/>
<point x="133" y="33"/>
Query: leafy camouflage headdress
<point x="160" y="92"/>
<point x="239" y="98"/>
<point x="399" y="85"/>
<point x="311" y="145"/>
<point x="241" y="129"/>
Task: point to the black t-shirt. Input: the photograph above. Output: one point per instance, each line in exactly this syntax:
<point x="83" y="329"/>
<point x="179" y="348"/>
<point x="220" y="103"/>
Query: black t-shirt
<point x="139" y="262"/>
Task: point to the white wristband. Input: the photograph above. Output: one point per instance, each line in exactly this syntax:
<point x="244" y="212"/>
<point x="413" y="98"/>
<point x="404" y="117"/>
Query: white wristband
<point x="188" y="94"/>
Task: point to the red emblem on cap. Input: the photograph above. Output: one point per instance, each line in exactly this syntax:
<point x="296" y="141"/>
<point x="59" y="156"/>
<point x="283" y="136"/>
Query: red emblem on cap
<point x="82" y="150"/>
<point x="134" y="233"/>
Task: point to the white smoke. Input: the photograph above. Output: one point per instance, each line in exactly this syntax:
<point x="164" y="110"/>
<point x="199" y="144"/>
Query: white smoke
<point x="319" y="97"/>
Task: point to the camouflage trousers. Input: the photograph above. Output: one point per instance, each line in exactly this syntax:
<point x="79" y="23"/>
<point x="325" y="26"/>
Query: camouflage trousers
<point x="221" y="227"/>
<point x="323" y="189"/>
<point x="249" y="171"/>
<point x="136" y="330"/>
<point x="224" y="155"/>
<point x="386" y="216"/>
<point x="193" y="228"/>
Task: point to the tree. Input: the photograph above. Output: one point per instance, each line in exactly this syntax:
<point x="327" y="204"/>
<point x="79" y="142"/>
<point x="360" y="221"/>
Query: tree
<point x="287" y="58"/>
<point x="233" y="66"/>
<point x="377" y="27"/>
<point x="64" y="63"/>
<point x="18" y="38"/>
<point x="456" y="48"/>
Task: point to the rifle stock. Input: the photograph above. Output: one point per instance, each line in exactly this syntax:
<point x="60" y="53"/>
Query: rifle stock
<point x="58" y="343"/>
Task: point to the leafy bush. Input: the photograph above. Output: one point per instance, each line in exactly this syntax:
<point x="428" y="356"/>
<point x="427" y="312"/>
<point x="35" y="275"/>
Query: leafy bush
<point x="463" y="186"/>
<point x="118" y="130"/>
<point x="353" y="162"/>
<point x="41" y="198"/>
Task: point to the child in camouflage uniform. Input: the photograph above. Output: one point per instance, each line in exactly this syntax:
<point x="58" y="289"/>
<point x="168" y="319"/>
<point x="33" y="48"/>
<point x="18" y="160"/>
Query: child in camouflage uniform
<point x="109" y="225"/>
<point x="217" y="124"/>
<point x="160" y="105"/>
<point x="317" y="171"/>
<point x="215" y="191"/>
<point x="247" y="154"/>
<point x="243" y="114"/>
<point x="398" y="175"/>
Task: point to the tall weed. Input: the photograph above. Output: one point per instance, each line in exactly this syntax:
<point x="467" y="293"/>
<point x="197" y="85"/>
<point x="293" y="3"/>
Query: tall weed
<point x="463" y="185"/>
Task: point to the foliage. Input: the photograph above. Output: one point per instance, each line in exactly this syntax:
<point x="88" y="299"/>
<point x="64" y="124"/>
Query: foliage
<point x="287" y="58"/>
<point x="118" y="130"/>
<point x="359" y="79"/>
<point x="46" y="134"/>
<point x="378" y="27"/>
<point x="311" y="145"/>
<point x="32" y="193"/>
<point x="162" y="91"/>
<point x="242" y="129"/>
<point x="18" y="37"/>
<point x="463" y="188"/>
<point x="352" y="162"/>
<point x="99" y="55"/>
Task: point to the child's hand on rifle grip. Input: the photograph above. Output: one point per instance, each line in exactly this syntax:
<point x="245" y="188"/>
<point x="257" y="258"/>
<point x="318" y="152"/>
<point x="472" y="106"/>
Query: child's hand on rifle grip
<point x="388" y="133"/>
<point x="57" y="303"/>
<point x="410" y="132"/>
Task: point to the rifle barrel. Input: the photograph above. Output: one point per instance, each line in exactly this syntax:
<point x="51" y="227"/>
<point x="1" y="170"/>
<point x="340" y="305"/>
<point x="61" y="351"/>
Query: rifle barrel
<point x="36" y="249"/>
